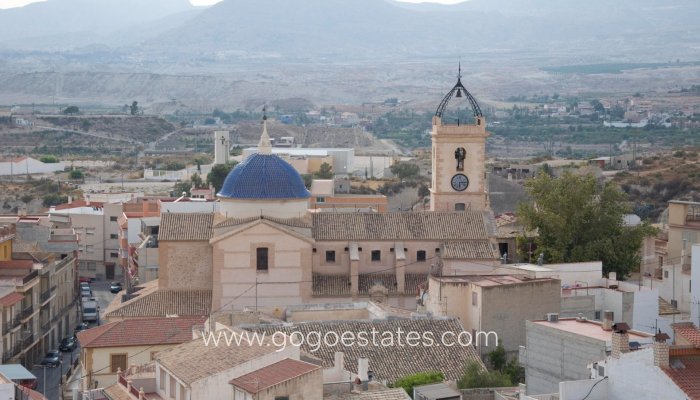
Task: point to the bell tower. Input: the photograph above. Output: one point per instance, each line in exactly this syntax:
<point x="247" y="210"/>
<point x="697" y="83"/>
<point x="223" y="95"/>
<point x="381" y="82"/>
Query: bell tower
<point x="458" y="157"/>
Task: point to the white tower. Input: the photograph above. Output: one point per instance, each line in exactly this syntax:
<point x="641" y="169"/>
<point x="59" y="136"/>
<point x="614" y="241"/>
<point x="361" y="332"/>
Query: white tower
<point x="222" y="147"/>
<point x="458" y="157"/>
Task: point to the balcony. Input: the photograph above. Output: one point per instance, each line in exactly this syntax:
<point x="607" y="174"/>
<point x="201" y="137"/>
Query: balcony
<point x="11" y="324"/>
<point x="45" y="327"/>
<point x="11" y="352"/>
<point x="27" y="340"/>
<point x="27" y="312"/>
<point x="60" y="264"/>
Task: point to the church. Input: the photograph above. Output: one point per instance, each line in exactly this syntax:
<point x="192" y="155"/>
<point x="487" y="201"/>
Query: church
<point x="266" y="248"/>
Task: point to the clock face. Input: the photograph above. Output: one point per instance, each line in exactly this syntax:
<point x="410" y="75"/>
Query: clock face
<point x="460" y="182"/>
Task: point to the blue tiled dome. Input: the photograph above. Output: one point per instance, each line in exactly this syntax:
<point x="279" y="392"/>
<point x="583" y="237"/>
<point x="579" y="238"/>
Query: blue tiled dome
<point x="264" y="176"/>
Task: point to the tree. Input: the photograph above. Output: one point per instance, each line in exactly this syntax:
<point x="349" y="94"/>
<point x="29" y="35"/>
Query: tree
<point x="405" y="170"/>
<point x="421" y="378"/>
<point x="182" y="187"/>
<point x="598" y="106"/>
<point x="423" y="191"/>
<point x="49" y="159"/>
<point x="325" y="171"/>
<point x="197" y="181"/>
<point x="134" y="108"/>
<point x="510" y="369"/>
<point x="475" y="376"/>
<point x="76" y="174"/>
<point x="218" y="174"/>
<point x="71" y="110"/>
<point x="308" y="179"/>
<point x="577" y="219"/>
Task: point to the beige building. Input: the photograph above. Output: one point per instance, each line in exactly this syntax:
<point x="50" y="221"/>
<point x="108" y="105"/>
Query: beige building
<point x="113" y="347"/>
<point x="458" y="155"/>
<point x="38" y="287"/>
<point x="493" y="303"/>
<point x="98" y="232"/>
<point x="264" y="247"/>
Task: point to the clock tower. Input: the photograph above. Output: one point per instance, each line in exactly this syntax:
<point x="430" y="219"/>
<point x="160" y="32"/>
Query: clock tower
<point x="458" y="157"/>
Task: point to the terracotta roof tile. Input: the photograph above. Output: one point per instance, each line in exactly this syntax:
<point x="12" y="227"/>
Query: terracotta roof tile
<point x="294" y="222"/>
<point x="195" y="360"/>
<point x="473" y="249"/>
<point x="185" y="226"/>
<point x="468" y="225"/>
<point x="689" y="332"/>
<point x="386" y="394"/>
<point x="139" y="332"/>
<point x="388" y="362"/>
<point x="273" y="375"/>
<point x="11" y="299"/>
<point x="164" y="302"/>
<point x="331" y="285"/>
<point x="687" y="377"/>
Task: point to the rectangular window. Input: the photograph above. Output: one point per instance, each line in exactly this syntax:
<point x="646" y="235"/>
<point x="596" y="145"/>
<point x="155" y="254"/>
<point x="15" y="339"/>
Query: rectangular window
<point x="114" y="255"/>
<point x="376" y="255"/>
<point x="261" y="259"/>
<point x="113" y="219"/>
<point x="666" y="274"/>
<point x="420" y="255"/>
<point x="320" y="199"/>
<point x="475" y="299"/>
<point x="117" y="361"/>
<point x="330" y="256"/>
<point x="113" y="236"/>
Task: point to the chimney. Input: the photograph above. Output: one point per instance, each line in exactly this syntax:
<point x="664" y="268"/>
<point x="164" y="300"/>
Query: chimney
<point x="661" y="350"/>
<point x="363" y="369"/>
<point x="608" y="320"/>
<point x="620" y="340"/>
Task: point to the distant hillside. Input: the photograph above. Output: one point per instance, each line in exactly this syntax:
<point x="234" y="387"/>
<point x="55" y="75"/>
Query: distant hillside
<point x="65" y="24"/>
<point x="363" y="29"/>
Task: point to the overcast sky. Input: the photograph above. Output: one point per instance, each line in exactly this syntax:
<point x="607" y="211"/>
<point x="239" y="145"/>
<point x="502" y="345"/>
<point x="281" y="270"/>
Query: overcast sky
<point x="18" y="3"/>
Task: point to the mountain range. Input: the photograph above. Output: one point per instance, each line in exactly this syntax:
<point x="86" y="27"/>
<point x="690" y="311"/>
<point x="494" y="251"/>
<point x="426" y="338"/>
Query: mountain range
<point x="341" y="30"/>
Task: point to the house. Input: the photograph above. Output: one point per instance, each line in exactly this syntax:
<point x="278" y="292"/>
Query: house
<point x="560" y="349"/>
<point x="668" y="371"/>
<point x="325" y="199"/>
<point x="28" y="166"/>
<point x="493" y="303"/>
<point x="109" y="348"/>
<point x="437" y="391"/>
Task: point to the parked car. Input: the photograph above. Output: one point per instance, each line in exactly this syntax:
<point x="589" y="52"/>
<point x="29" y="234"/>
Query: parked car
<point x="115" y="287"/>
<point x="68" y="344"/>
<point x="84" y="285"/>
<point x="84" y="279"/>
<point x="52" y="359"/>
<point x="81" y="327"/>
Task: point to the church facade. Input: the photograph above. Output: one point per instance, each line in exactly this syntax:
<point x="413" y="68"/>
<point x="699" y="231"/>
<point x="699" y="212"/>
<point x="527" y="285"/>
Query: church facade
<point x="266" y="248"/>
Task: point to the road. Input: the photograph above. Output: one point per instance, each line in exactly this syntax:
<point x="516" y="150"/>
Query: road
<point x="100" y="290"/>
<point x="93" y="134"/>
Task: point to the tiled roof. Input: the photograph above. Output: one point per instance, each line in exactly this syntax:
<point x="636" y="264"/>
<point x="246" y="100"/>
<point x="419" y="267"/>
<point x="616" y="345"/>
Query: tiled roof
<point x="689" y="332"/>
<point x="264" y="176"/>
<point x="467" y="225"/>
<point x="273" y="375"/>
<point x="473" y="249"/>
<point x="386" y="394"/>
<point x="163" y="302"/>
<point x="195" y="360"/>
<point x="665" y="308"/>
<point x="185" y="226"/>
<point x="294" y="222"/>
<point x="11" y="299"/>
<point x="339" y="285"/>
<point x="687" y="377"/>
<point x="389" y="362"/>
<point x="116" y="392"/>
<point x="333" y="285"/>
<point x="140" y="332"/>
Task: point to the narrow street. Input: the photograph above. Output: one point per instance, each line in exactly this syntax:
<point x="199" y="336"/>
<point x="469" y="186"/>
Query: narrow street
<point x="52" y="375"/>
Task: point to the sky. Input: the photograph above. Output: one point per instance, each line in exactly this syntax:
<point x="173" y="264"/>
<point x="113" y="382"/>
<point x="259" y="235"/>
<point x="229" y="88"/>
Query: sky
<point x="19" y="3"/>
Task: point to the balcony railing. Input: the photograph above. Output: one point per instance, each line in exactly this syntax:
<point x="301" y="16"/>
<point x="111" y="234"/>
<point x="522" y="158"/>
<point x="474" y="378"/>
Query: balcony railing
<point x="11" y="352"/>
<point x="46" y="326"/>
<point x="27" y="312"/>
<point x="27" y="340"/>
<point x="11" y="324"/>
<point x="45" y="295"/>
<point x="28" y="278"/>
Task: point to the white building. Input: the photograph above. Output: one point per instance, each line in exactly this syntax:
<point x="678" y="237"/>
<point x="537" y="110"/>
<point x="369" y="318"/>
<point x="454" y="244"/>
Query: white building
<point x="28" y="165"/>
